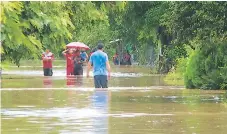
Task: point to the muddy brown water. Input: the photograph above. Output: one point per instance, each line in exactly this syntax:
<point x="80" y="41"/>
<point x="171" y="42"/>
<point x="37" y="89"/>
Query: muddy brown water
<point x="136" y="103"/>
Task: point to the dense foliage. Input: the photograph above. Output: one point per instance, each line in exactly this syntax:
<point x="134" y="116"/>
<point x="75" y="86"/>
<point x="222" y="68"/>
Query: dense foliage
<point x="160" y="33"/>
<point x="27" y="28"/>
<point x="202" y="26"/>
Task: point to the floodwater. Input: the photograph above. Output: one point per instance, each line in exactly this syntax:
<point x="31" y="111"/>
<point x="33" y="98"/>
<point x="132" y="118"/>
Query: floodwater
<point x="135" y="103"/>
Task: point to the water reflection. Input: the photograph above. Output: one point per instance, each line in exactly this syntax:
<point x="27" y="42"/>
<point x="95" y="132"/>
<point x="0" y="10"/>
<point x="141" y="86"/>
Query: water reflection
<point x="79" y="81"/>
<point x="74" y="81"/>
<point x="57" y="111"/>
<point x="70" y="81"/>
<point x="125" y="111"/>
<point x="136" y="103"/>
<point x="47" y="82"/>
<point x="100" y="102"/>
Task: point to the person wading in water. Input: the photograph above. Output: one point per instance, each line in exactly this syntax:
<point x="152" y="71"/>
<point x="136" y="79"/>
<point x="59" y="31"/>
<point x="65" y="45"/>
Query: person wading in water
<point x="78" y="64"/>
<point x="101" y="67"/>
<point x="83" y="55"/>
<point x="47" y="58"/>
<point x="69" y="55"/>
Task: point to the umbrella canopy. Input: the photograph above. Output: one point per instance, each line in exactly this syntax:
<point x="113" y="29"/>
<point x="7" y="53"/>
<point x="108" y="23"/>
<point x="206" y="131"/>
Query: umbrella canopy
<point x="77" y="45"/>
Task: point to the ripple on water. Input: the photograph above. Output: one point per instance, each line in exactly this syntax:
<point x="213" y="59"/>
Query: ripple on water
<point x="132" y="88"/>
<point x="68" y="113"/>
<point x="63" y="72"/>
<point x="25" y="106"/>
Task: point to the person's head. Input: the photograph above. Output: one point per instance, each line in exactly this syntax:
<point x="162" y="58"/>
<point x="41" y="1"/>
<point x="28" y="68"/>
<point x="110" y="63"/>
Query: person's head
<point x="77" y="51"/>
<point x="100" y="46"/>
<point x="47" y="50"/>
<point x="82" y="50"/>
<point x="70" y="51"/>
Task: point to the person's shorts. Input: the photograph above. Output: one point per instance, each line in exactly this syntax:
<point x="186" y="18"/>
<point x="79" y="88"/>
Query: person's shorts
<point x="47" y="71"/>
<point x="101" y="81"/>
<point x="78" y="71"/>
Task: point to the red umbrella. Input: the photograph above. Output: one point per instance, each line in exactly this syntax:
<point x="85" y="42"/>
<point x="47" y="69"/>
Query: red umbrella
<point x="77" y="45"/>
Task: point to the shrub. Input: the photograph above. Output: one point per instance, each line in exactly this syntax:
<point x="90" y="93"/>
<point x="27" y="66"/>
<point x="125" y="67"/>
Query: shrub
<point x="206" y="68"/>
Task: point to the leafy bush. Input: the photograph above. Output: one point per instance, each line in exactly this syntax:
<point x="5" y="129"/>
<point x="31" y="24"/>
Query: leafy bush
<point x="176" y="75"/>
<point x="206" y="68"/>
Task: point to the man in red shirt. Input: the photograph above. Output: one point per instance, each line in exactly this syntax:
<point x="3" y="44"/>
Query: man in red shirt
<point x="47" y="58"/>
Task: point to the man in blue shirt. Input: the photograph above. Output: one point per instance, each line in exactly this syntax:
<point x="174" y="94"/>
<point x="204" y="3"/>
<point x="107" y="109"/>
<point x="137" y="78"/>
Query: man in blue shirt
<point x="101" y="67"/>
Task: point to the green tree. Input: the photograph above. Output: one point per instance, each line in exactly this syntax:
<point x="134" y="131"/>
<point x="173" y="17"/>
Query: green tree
<point x="202" y="26"/>
<point x="30" y="27"/>
<point x="15" y="44"/>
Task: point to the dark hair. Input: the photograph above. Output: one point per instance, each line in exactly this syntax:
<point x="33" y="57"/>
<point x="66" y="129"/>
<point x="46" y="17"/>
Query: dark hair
<point x="95" y="49"/>
<point x="100" y="46"/>
<point x="77" y="51"/>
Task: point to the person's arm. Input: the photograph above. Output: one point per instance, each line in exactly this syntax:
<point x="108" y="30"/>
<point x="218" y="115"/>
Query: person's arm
<point x="81" y="61"/>
<point x="89" y="66"/>
<point x="108" y="66"/>
<point x="64" y="52"/>
<point x="52" y="57"/>
<point x="86" y="57"/>
<point x="43" y="57"/>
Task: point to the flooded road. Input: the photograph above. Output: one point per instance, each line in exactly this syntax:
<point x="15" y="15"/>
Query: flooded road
<point x="136" y="103"/>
